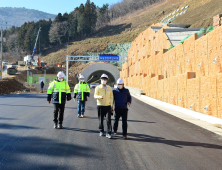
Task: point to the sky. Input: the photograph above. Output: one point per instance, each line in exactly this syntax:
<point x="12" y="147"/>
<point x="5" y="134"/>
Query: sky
<point x="52" y="6"/>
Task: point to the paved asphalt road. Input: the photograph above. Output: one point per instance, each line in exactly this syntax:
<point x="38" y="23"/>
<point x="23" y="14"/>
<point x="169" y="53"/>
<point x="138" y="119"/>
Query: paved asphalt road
<point x="157" y="140"/>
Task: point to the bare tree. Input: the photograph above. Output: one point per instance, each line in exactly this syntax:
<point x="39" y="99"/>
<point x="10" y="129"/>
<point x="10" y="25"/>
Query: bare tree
<point x="13" y="53"/>
<point x="58" y="31"/>
<point x="12" y="41"/>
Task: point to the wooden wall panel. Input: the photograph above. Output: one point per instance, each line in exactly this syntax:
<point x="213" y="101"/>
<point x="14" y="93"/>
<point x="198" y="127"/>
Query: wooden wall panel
<point x="208" y="96"/>
<point x="214" y="51"/>
<point x="166" y="90"/>
<point x="189" y="53"/>
<point x="180" y="60"/>
<point x="172" y="62"/>
<point x="193" y="94"/>
<point x="160" y="93"/>
<point x="201" y="55"/>
<point x="182" y="90"/>
<point x="173" y="90"/>
<point x="219" y="95"/>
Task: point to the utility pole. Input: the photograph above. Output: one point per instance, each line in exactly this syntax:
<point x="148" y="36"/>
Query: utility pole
<point x="39" y="46"/>
<point x="1" y="69"/>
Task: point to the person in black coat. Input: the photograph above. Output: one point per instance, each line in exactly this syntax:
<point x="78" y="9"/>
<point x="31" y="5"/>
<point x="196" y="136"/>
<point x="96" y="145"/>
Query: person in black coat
<point x="122" y="98"/>
<point x="42" y="85"/>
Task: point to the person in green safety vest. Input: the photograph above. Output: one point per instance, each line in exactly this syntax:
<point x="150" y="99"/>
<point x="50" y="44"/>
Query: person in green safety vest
<point x="59" y="92"/>
<point x="81" y="93"/>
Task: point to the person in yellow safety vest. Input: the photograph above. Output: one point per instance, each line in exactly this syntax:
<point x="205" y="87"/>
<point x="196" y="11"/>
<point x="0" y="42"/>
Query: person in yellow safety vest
<point x="59" y="92"/>
<point x="104" y="95"/>
<point x="81" y="93"/>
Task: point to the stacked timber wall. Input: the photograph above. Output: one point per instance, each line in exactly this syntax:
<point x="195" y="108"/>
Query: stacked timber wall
<point x="189" y="75"/>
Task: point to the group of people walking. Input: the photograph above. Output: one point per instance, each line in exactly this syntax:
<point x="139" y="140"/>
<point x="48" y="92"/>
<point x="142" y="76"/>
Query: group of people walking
<point x="109" y="100"/>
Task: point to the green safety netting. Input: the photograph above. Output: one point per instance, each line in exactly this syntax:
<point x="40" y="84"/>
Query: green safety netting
<point x="209" y="29"/>
<point x="30" y="80"/>
<point x="202" y="31"/>
<point x="182" y="41"/>
<point x="171" y="46"/>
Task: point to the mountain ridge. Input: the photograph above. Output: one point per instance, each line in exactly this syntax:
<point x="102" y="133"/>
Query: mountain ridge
<point x="15" y="16"/>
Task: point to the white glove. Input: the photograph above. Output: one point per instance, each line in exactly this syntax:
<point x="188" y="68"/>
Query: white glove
<point x="101" y="97"/>
<point x="74" y="99"/>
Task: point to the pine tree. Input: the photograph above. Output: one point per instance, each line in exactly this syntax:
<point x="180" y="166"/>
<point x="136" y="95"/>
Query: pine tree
<point x="58" y="18"/>
<point x="65" y="17"/>
<point x="80" y="18"/>
<point x="21" y="35"/>
<point x="90" y="16"/>
<point x="73" y="23"/>
<point x="28" y="45"/>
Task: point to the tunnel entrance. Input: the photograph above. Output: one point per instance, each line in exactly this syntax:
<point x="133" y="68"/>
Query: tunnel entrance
<point x="94" y="71"/>
<point x="95" y="77"/>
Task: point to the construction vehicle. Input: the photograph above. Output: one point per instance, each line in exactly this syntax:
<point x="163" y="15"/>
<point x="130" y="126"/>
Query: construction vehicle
<point x="12" y="70"/>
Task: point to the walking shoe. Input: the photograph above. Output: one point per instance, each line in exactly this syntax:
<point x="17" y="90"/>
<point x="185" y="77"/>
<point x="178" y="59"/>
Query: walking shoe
<point x="55" y="125"/>
<point x="108" y="136"/>
<point x="82" y="115"/>
<point x="125" y="137"/>
<point x="101" y="134"/>
<point x="115" y="133"/>
<point x="60" y="126"/>
<point x="78" y="115"/>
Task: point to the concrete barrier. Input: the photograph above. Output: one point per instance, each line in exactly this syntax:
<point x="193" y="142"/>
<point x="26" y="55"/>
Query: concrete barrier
<point x="161" y="105"/>
<point x="135" y="91"/>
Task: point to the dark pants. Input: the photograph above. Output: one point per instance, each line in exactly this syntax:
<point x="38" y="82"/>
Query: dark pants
<point x="120" y="113"/>
<point x="104" y="111"/>
<point x="58" y="108"/>
<point x="81" y="107"/>
<point x="42" y="89"/>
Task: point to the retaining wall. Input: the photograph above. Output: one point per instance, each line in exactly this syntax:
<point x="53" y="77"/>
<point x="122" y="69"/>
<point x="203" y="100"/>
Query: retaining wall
<point x="189" y="75"/>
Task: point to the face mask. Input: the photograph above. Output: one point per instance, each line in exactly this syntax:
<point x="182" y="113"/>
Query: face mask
<point x="82" y="80"/>
<point x="120" y="86"/>
<point x="103" y="81"/>
<point x="61" y="79"/>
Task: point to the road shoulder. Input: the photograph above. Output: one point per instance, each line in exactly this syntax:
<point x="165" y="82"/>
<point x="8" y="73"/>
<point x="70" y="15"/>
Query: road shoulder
<point x="207" y="122"/>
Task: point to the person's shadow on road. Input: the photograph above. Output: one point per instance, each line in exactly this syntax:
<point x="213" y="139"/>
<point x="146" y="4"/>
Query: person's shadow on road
<point x="152" y="139"/>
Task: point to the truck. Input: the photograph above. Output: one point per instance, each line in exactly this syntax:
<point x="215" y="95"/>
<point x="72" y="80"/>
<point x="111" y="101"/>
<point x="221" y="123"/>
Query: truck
<point x="28" y="59"/>
<point x="12" y="70"/>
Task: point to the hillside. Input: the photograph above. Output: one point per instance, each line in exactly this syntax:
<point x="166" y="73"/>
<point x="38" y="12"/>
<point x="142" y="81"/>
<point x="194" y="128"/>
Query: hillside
<point x="199" y="14"/>
<point x="18" y="16"/>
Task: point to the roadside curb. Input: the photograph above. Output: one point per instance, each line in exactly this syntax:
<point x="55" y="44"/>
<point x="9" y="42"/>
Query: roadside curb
<point x="210" y="123"/>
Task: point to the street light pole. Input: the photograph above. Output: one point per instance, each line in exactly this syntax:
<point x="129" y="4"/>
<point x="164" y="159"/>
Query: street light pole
<point x="1" y="70"/>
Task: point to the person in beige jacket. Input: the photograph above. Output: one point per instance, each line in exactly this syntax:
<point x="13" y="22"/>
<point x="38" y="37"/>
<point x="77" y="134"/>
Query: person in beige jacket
<point x="104" y="95"/>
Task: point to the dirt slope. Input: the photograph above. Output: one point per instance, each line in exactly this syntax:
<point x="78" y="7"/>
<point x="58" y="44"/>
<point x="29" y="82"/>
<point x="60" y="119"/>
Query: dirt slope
<point x="10" y="86"/>
<point x="200" y="14"/>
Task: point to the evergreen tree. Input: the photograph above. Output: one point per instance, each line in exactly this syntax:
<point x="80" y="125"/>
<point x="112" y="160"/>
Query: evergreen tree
<point x="81" y="22"/>
<point x="90" y="16"/>
<point x="44" y="34"/>
<point x="93" y="15"/>
<point x="73" y="23"/>
<point x="28" y="40"/>
<point x="65" y="17"/>
<point x="103" y="17"/>
<point x="21" y="35"/>
<point x="87" y="17"/>
<point x="58" y="18"/>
